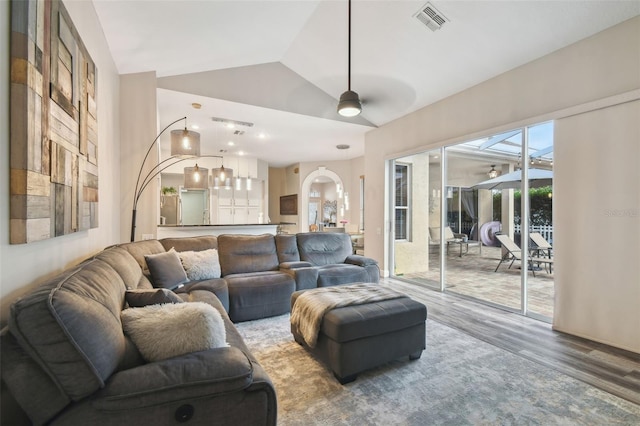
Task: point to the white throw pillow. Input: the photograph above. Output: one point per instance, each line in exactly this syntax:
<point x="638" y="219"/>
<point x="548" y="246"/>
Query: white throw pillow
<point x="201" y="265"/>
<point x="169" y="330"/>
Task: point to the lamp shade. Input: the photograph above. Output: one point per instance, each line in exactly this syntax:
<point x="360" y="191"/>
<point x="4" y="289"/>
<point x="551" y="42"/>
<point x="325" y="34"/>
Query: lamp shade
<point x="349" y="105"/>
<point x="185" y="143"/>
<point x="222" y="177"/>
<point x="196" y="177"/>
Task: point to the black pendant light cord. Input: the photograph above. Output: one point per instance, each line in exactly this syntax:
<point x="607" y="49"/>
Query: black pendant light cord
<point x="349" y="51"/>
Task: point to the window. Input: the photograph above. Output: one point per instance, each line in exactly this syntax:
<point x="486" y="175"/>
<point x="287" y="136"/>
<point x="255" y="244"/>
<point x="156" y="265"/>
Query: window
<point x="402" y="201"/>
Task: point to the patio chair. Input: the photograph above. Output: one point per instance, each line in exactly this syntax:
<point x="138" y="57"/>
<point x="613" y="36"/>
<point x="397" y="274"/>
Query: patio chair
<point x="514" y="253"/>
<point x="542" y="246"/>
<point x="434" y="235"/>
<point x="451" y="238"/>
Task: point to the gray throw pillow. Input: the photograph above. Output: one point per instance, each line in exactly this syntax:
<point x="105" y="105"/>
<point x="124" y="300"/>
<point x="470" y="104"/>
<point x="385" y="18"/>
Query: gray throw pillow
<point x="140" y="298"/>
<point x="166" y="269"/>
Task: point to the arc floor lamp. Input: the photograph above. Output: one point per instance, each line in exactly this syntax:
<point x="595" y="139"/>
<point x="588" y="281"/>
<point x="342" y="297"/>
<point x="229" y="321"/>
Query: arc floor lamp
<point x="185" y="144"/>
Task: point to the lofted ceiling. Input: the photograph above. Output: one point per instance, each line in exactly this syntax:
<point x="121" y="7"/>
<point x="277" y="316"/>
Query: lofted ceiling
<point x="282" y="65"/>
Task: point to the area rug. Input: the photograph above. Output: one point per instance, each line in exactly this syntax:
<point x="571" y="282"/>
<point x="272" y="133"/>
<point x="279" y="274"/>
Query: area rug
<point x="459" y="380"/>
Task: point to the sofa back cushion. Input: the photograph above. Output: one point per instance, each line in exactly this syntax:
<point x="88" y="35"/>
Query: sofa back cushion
<point x="201" y="243"/>
<point x="126" y="266"/>
<point x="324" y="248"/>
<point x="247" y="253"/>
<point x="71" y="327"/>
<point x="139" y="249"/>
<point x="287" y="247"/>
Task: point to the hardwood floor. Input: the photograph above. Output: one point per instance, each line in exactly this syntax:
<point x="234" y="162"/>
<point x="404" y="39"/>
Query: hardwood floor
<point x="613" y="370"/>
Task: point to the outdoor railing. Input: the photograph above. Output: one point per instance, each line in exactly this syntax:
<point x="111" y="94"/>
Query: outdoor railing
<point x="545" y="230"/>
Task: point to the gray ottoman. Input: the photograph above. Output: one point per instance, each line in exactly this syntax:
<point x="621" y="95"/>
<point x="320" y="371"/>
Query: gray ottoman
<point x="355" y="338"/>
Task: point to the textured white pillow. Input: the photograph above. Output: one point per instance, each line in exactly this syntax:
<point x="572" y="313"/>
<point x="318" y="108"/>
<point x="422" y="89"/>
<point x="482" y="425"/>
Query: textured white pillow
<point x="168" y="330"/>
<point x="201" y="265"/>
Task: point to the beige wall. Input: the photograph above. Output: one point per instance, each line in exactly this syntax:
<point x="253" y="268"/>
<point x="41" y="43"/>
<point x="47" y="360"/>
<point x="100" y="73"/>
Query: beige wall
<point x="24" y="266"/>
<point x="568" y="79"/>
<point x="138" y="119"/>
<point x="283" y="181"/>
<point x="413" y="255"/>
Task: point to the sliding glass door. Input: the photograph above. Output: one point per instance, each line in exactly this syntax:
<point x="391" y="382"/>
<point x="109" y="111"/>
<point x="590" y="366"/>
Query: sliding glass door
<point x="458" y="221"/>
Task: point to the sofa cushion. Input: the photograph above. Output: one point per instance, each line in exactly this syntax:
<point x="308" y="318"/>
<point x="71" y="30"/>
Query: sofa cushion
<point x="126" y="266"/>
<point x="71" y="327"/>
<point x="166" y="269"/>
<point x="203" y="242"/>
<point x="259" y="294"/>
<point x="156" y="296"/>
<point x="139" y="249"/>
<point x="215" y="288"/>
<point x="330" y="275"/>
<point x="324" y="248"/>
<point x="247" y="253"/>
<point x="169" y="330"/>
<point x="200" y="265"/>
<point x="40" y="406"/>
<point x="287" y="247"/>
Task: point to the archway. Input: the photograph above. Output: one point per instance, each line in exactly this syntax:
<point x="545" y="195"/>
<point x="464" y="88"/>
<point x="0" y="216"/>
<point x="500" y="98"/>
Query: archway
<point x="306" y="188"/>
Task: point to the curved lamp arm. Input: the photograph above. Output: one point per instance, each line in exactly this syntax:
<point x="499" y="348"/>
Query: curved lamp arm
<point x="137" y="195"/>
<point x="155" y="171"/>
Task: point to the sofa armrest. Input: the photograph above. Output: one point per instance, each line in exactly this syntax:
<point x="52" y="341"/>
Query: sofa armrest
<point x="212" y="372"/>
<point x="305" y="277"/>
<point x="294" y="265"/>
<point x="358" y="260"/>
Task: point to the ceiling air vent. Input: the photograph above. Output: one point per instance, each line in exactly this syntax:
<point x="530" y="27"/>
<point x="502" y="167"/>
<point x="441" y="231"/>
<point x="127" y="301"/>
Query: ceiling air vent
<point x="231" y="123"/>
<point x="431" y="17"/>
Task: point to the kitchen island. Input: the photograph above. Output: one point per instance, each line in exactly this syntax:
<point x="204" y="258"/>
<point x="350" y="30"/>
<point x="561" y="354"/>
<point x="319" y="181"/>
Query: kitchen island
<point x="176" y="231"/>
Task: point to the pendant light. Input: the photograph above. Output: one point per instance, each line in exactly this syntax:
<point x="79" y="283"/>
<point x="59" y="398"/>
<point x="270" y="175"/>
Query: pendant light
<point x="196" y="177"/>
<point x="349" y="105"/>
<point x="222" y="177"/>
<point x="493" y="173"/>
<point x="185" y="143"/>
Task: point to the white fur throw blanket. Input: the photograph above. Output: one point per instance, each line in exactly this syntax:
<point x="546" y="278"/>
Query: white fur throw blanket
<point x="309" y="309"/>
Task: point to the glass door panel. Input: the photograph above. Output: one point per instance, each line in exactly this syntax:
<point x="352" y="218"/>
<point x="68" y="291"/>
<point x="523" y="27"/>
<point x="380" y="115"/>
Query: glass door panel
<point x="476" y="214"/>
<point x="540" y="288"/>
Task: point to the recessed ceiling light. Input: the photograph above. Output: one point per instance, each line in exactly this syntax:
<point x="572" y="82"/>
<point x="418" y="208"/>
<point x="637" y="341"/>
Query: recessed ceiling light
<point x="262" y="135"/>
<point x="231" y="143"/>
<point x="240" y="152"/>
<point x="196" y="105"/>
<point x="343" y="146"/>
<point x="230" y="125"/>
<point x="195" y="126"/>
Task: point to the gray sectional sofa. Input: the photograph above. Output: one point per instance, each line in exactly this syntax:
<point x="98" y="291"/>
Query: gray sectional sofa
<point x="67" y="360"/>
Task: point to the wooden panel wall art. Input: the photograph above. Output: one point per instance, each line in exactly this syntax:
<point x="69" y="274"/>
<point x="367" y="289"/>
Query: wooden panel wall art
<point x="54" y="125"/>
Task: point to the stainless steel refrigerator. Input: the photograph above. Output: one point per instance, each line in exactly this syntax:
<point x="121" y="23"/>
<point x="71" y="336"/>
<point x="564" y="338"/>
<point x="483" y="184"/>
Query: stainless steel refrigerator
<point x="170" y="210"/>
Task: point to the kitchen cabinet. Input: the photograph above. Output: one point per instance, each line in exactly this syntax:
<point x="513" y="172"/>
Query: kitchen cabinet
<point x="238" y="207"/>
